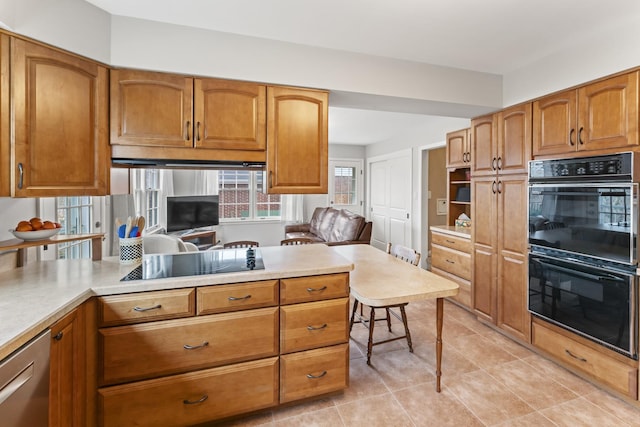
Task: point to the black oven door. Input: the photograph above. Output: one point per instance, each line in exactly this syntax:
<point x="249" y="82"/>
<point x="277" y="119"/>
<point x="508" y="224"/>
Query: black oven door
<point x="593" y="302"/>
<point x="596" y="220"/>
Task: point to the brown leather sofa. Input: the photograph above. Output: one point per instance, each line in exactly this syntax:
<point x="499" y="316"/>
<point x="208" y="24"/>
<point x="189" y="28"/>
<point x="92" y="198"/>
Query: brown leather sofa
<point x="333" y="227"/>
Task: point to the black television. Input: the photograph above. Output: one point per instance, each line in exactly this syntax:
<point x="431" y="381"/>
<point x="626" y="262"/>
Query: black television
<point x="186" y="213"/>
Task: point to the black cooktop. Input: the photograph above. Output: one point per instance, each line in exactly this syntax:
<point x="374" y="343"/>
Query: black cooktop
<point x="160" y="266"/>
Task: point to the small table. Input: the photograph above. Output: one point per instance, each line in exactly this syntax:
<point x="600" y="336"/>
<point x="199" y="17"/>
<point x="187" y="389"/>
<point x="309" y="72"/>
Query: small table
<point x="202" y="239"/>
<point x="381" y="279"/>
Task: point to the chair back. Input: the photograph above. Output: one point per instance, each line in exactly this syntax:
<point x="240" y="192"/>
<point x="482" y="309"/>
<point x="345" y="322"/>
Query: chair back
<point x="404" y="253"/>
<point x="162" y="244"/>
<point x="241" y="244"/>
<point x="296" y="241"/>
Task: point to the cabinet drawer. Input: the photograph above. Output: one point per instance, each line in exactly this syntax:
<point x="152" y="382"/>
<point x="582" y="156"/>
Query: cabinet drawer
<point x="452" y="261"/>
<point x="314" y="324"/>
<point x="161" y="402"/>
<point x="314" y="288"/>
<point x="314" y="372"/>
<point x="453" y="242"/>
<point x="605" y="369"/>
<point x="146" y="306"/>
<point x="238" y="296"/>
<point x="141" y="351"/>
<point x="464" y="291"/>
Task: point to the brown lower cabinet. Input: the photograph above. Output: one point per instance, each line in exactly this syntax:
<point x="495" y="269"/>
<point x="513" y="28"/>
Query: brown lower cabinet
<point x="188" y="362"/>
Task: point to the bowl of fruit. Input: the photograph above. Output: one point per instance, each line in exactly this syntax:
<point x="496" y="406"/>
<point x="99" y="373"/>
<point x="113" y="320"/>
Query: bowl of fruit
<point x="35" y="229"/>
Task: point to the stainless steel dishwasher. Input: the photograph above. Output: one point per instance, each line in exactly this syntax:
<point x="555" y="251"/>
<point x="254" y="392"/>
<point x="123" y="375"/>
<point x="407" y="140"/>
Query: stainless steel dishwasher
<point x="24" y="385"/>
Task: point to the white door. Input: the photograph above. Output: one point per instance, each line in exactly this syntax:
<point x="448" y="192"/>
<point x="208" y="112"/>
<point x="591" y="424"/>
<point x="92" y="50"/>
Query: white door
<point x="390" y="196"/>
<point x="346" y="185"/>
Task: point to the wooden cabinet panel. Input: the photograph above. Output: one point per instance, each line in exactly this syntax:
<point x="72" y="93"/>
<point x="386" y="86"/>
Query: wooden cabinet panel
<point x="598" y="116"/>
<point x="514" y="139"/>
<point x="67" y="397"/>
<point x="145" y="307"/>
<point x="554" y="123"/>
<point x="455" y="262"/>
<point x="160" y="348"/>
<point x="483" y="146"/>
<point x="149" y="108"/>
<point x="608" y="370"/>
<point x="483" y="291"/>
<point x="313" y="288"/>
<point x="297" y="141"/>
<point x="314" y="372"/>
<point x="5" y="118"/>
<point x="458" y="149"/>
<point x="230" y="114"/>
<point x="237" y="296"/>
<point x="60" y="105"/>
<point x="192" y="398"/>
<point x="608" y="113"/>
<point x="484" y="211"/>
<point x="313" y="324"/>
<point x="451" y="242"/>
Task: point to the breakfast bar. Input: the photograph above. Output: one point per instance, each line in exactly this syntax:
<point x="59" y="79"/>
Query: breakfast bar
<point x="380" y="279"/>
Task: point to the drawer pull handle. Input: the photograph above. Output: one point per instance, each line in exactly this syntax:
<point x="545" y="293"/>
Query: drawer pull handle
<point x="193" y="402"/>
<point x="58" y="336"/>
<point x="450" y="241"/>
<point x="316" y="289"/>
<point x="312" y="377"/>
<point x="451" y="262"/>
<point x="195" y="347"/>
<point x="239" y="298"/>
<point x="316" y="328"/>
<point x="155" y="307"/>
<point x="574" y="356"/>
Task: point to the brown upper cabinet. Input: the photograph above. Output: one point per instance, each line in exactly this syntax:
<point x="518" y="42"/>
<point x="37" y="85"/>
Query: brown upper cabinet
<point x="458" y="149"/>
<point x="167" y="110"/>
<point x="598" y="116"/>
<point x="297" y="140"/>
<point x="60" y="106"/>
<point x="501" y="142"/>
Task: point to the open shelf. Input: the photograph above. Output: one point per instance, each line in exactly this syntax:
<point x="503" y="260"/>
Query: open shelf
<point x="21" y="245"/>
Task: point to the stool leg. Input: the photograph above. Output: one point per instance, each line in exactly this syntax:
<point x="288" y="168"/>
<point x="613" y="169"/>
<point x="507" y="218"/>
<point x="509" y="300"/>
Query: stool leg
<point x="353" y="313"/>
<point x="388" y="319"/>
<point x="372" y="322"/>
<point x="406" y="327"/>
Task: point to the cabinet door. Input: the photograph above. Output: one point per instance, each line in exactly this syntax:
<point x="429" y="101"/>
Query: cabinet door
<point x="484" y="229"/>
<point x="483" y="146"/>
<point x="67" y="371"/>
<point x="608" y="113"/>
<point x="554" y="124"/>
<point x="514" y="139"/>
<point x="458" y="155"/>
<point x="60" y="117"/>
<point x="297" y="141"/>
<point x="230" y="115"/>
<point x="5" y="124"/>
<point x="513" y="315"/>
<point x="152" y="109"/>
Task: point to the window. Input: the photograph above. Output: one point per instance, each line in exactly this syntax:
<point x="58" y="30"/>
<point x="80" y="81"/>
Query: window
<point x="613" y="207"/>
<point x="345" y="184"/>
<point x="75" y="216"/>
<point x="241" y="197"/>
<point x="147" y="196"/>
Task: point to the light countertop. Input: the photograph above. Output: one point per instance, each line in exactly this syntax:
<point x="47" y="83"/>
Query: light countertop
<point x="35" y="296"/>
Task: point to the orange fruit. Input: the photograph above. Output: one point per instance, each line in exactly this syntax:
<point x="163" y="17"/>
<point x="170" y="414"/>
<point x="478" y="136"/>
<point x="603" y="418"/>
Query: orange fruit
<point x="57" y="224"/>
<point x="36" y="223"/>
<point x="48" y="225"/>
<point x="24" y="226"/>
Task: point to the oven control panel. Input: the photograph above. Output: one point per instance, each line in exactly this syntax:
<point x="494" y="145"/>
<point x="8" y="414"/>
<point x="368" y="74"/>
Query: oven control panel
<point x="608" y="167"/>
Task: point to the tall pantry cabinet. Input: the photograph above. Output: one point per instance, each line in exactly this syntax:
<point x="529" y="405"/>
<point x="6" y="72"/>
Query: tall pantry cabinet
<point x="501" y="148"/>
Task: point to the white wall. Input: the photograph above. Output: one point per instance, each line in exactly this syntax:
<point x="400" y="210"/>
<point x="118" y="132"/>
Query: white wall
<point x="12" y="211"/>
<point x="74" y="25"/>
<point x="612" y="50"/>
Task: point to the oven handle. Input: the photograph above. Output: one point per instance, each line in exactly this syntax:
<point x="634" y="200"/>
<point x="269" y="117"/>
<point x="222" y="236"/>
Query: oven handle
<point x="598" y="277"/>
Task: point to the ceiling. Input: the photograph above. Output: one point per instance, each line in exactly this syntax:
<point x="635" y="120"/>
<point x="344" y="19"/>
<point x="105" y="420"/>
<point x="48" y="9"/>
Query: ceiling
<point x="494" y="36"/>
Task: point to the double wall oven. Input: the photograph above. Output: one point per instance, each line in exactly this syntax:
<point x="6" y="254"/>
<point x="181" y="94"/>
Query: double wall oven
<point x="583" y="225"/>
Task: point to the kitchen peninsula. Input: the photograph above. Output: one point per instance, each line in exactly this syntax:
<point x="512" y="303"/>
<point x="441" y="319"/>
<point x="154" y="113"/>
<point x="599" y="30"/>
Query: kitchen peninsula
<point x="263" y="342"/>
